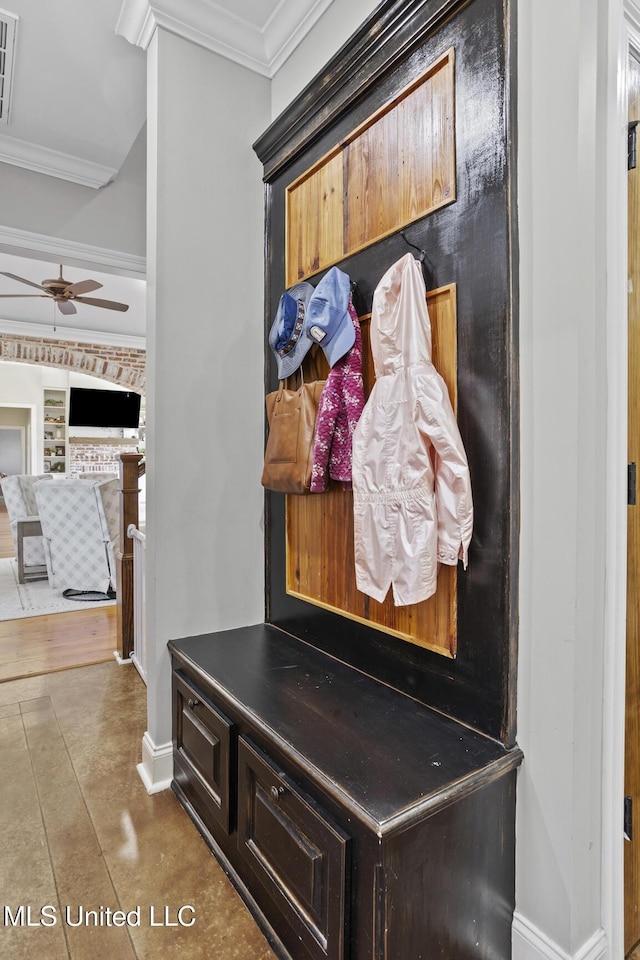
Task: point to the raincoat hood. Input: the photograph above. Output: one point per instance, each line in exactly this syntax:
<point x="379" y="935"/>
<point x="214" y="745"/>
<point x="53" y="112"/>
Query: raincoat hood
<point x="400" y="328"/>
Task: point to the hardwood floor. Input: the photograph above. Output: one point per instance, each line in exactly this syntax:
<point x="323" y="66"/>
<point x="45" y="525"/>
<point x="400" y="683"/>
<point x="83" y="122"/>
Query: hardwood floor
<point x="37" y="645"/>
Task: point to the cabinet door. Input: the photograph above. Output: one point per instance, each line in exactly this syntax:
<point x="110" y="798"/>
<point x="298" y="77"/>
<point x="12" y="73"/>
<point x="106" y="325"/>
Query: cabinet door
<point x="203" y="748"/>
<point x="296" y="852"/>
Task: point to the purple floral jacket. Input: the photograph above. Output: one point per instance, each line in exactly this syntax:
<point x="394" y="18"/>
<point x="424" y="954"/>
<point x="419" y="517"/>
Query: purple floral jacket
<point x="341" y="404"/>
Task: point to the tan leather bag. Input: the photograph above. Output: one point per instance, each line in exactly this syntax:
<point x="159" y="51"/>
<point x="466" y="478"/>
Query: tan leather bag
<point x="291" y="414"/>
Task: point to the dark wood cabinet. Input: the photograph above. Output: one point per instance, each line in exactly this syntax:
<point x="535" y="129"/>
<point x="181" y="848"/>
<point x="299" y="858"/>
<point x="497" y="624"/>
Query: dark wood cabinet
<point x="203" y="753"/>
<point x="357" y="823"/>
<point x="294" y="850"/>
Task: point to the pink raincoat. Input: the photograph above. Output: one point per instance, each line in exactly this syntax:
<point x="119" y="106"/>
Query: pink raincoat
<point x="411" y="486"/>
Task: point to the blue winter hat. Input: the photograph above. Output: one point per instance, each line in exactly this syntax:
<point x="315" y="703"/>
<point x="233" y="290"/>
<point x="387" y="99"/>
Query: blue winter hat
<point x="327" y="321"/>
<point x="286" y="337"/>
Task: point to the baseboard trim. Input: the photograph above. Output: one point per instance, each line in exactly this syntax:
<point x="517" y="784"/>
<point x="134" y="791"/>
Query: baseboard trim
<point x="156" y="769"/>
<point x="530" y="943"/>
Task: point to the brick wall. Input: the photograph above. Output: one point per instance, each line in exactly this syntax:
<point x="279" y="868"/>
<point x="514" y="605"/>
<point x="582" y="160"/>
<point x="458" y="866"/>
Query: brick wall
<point x="122" y="365"/>
<point x="92" y="457"/>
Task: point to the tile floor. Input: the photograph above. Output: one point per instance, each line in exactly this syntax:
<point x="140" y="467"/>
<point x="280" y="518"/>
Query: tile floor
<point x="79" y="833"/>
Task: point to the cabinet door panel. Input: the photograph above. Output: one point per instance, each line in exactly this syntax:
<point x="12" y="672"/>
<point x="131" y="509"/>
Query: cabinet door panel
<point x="296" y="852"/>
<point x="203" y="748"/>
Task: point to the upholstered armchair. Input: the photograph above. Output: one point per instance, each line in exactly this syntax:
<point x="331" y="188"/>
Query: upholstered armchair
<point x="80" y="529"/>
<point x="20" y="501"/>
<point x="98" y="475"/>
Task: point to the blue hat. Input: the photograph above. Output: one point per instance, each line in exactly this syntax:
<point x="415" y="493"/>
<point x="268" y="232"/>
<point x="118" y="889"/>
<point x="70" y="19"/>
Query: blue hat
<point x="286" y="338"/>
<point x="327" y="321"/>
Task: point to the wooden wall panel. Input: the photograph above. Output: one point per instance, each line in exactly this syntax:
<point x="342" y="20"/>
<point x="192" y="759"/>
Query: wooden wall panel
<point x="394" y="168"/>
<point x="315" y="220"/>
<point x="319" y="527"/>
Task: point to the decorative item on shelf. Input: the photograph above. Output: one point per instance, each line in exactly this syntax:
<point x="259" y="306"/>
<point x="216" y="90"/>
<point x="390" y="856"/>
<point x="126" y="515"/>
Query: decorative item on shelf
<point x="57" y="467"/>
<point x="48" y="434"/>
<point x="59" y="452"/>
<point x="59" y="433"/>
<point x="47" y="466"/>
<point x="48" y="452"/>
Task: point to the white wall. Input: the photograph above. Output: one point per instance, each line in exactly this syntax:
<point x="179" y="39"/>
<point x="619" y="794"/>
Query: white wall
<point x="20" y="383"/>
<point x="563" y="471"/>
<point x="205" y="344"/>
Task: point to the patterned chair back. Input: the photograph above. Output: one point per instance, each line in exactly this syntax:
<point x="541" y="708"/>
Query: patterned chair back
<point x="80" y="527"/>
<point x="20" y="501"/>
<point x="98" y="475"/>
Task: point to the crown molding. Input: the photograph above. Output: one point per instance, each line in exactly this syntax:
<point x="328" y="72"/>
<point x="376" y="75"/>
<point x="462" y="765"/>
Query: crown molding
<point x="45" y="331"/>
<point x="60" y="250"/>
<point x="52" y="163"/>
<point x="261" y="49"/>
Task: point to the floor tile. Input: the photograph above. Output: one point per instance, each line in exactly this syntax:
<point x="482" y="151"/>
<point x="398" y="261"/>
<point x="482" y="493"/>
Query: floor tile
<point x="26" y="873"/>
<point x="83" y="882"/>
<point x="83" y="825"/>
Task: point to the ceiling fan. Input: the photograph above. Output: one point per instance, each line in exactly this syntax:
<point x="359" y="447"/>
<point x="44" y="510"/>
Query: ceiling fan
<point x="64" y="293"/>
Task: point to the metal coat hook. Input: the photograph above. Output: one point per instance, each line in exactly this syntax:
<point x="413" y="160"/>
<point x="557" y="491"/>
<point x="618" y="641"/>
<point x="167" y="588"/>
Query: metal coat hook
<point x="422" y="253"/>
<point x="632" y="144"/>
<point x="422" y="258"/>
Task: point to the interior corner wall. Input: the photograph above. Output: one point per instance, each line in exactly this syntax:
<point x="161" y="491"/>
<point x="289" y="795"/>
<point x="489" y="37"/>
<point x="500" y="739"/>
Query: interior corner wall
<point x="205" y="395"/>
<point x="112" y="218"/>
<point x="561" y="176"/>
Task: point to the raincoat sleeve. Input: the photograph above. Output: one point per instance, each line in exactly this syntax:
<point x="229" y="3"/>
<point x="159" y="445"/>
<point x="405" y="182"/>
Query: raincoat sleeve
<point x="452" y="481"/>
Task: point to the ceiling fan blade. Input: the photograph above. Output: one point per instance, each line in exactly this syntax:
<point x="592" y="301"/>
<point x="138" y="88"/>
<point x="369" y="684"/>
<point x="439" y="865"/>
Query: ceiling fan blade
<point x="82" y="286"/>
<point x="14" y="295"/>
<point x="107" y="304"/>
<point x="22" y="280"/>
<point x="66" y="307"/>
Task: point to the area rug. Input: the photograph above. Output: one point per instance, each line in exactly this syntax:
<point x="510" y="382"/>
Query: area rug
<point x="35" y="598"/>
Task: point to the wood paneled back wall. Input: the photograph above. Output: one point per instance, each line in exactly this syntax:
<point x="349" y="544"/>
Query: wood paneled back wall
<point x="393" y="169"/>
<point x="409" y="128"/>
<point x="319" y="544"/>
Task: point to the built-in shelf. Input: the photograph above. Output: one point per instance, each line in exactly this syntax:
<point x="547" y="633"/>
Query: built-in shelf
<point x="54" y="427"/>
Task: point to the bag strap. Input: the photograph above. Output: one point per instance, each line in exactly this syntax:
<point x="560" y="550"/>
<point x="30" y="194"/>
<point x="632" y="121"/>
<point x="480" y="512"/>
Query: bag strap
<point x="297" y="378"/>
<point x="313" y="362"/>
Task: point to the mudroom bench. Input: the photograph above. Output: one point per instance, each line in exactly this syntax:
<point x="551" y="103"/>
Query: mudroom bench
<point x="356" y="823"/>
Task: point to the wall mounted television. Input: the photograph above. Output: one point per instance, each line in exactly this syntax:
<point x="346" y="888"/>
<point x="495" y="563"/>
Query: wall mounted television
<point x="103" y="408"/>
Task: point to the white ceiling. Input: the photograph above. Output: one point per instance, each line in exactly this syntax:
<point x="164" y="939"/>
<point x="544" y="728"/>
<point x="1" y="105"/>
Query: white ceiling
<point x="38" y="315"/>
<point x="79" y="91"/>
<point x="79" y="102"/>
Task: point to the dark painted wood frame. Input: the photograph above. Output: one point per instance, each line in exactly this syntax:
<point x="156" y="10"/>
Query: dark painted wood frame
<point x="473" y="243"/>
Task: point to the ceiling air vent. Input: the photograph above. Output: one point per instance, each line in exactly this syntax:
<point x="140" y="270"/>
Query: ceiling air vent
<point x="8" y="24"/>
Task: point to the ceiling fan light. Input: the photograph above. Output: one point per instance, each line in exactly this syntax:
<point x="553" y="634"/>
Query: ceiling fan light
<point x="66" y="307"/>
